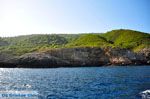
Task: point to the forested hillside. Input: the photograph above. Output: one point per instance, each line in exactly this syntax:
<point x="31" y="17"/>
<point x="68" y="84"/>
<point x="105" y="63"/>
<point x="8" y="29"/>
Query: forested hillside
<point x="128" y="39"/>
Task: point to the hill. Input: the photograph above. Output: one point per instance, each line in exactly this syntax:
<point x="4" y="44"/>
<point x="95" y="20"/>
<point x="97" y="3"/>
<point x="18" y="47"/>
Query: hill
<point x="89" y="40"/>
<point x="122" y="38"/>
<point x="128" y="38"/>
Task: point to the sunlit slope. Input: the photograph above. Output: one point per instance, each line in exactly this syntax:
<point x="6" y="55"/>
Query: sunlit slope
<point x="89" y="40"/>
<point x="130" y="39"/>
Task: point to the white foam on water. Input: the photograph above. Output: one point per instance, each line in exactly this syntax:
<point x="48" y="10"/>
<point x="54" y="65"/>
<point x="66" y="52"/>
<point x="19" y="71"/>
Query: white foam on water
<point x="145" y="94"/>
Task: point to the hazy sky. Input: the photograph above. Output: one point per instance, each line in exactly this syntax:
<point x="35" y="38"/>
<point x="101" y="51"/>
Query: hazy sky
<point x="19" y="17"/>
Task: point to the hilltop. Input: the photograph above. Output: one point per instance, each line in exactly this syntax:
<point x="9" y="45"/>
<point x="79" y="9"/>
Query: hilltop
<point x="128" y="38"/>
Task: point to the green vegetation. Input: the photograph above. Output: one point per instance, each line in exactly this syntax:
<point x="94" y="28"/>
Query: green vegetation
<point x="128" y="38"/>
<point x="116" y="38"/>
<point x="2" y="42"/>
<point x="89" y="40"/>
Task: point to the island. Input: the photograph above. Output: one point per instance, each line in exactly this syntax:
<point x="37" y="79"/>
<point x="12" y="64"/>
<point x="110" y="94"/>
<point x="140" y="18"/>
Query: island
<point x="117" y="47"/>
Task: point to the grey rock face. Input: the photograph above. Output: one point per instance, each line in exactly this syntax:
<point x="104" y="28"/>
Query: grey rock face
<point x="66" y="57"/>
<point x="7" y="60"/>
<point x="69" y="57"/>
<point x="119" y="56"/>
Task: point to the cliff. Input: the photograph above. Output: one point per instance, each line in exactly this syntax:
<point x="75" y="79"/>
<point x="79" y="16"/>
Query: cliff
<point x="72" y="57"/>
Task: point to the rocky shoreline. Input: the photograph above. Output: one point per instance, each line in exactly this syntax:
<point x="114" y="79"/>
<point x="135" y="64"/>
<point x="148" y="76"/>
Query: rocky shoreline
<point x="76" y="57"/>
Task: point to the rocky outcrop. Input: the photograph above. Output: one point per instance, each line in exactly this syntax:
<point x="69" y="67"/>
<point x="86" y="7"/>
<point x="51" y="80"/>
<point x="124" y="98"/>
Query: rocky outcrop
<point x="146" y="52"/>
<point x="7" y="60"/>
<point x="65" y="57"/>
<point x="71" y="57"/>
<point x="119" y="56"/>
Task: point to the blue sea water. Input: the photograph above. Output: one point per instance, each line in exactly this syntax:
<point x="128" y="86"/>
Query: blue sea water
<point x="113" y="82"/>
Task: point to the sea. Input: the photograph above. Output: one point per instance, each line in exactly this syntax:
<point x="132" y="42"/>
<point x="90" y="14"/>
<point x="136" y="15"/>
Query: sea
<point x="107" y="82"/>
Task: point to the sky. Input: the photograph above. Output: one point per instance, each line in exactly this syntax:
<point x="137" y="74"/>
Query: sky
<point x="22" y="17"/>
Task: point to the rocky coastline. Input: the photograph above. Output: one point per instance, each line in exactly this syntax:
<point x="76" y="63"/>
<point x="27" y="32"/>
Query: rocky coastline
<point x="76" y="57"/>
